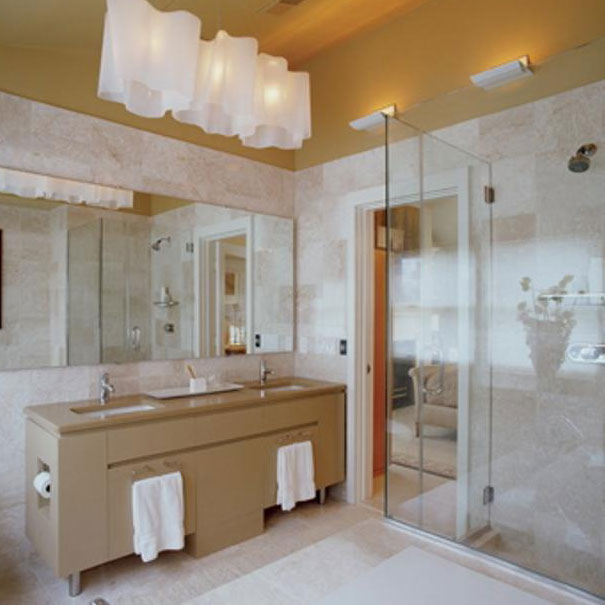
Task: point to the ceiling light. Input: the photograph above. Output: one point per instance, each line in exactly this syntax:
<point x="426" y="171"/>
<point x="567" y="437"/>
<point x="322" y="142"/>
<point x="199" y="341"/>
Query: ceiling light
<point x="373" y="119"/>
<point x="154" y="62"/>
<point x="503" y="74"/>
<point x="147" y="57"/>
<point x="223" y="102"/>
<point x="281" y="119"/>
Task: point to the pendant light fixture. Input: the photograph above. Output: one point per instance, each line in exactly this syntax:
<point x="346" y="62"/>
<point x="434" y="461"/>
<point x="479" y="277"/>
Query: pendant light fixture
<point x="223" y="100"/>
<point x="154" y="61"/>
<point x="147" y="57"/>
<point x="281" y="119"/>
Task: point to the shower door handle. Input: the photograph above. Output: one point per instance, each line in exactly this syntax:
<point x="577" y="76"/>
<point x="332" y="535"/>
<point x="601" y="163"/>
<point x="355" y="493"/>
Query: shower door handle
<point x="135" y="338"/>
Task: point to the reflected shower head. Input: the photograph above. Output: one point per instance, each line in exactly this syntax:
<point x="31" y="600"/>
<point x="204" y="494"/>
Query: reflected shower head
<point x="581" y="161"/>
<point x="158" y="243"/>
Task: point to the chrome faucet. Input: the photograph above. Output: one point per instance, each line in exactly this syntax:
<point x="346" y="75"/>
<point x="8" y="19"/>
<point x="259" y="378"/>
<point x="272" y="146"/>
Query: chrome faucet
<point x="105" y="389"/>
<point x="264" y="371"/>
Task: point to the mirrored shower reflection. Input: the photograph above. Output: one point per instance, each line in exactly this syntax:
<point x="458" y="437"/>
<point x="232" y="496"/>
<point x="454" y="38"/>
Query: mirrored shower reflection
<point x="497" y="314"/>
<point x="87" y="285"/>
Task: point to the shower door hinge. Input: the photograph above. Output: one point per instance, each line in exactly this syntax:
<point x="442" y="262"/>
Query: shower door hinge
<point x="489" y="195"/>
<point x="189" y="247"/>
<point x="488" y="494"/>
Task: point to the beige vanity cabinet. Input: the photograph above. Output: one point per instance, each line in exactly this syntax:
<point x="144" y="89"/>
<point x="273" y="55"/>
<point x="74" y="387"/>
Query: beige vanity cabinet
<point x="226" y="451"/>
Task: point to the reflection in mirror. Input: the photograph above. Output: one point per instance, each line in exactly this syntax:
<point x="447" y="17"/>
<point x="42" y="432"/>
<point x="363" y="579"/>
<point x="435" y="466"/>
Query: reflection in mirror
<point x="228" y="292"/>
<point x="165" y="279"/>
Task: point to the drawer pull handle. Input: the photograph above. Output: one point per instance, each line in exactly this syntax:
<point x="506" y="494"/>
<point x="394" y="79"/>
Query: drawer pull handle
<point x="291" y="436"/>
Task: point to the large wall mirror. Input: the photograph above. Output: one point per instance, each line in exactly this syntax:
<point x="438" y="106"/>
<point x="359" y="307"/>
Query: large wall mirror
<point x="165" y="278"/>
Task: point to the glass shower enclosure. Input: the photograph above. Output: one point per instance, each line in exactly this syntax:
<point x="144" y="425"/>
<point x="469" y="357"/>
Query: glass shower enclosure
<point x="495" y="319"/>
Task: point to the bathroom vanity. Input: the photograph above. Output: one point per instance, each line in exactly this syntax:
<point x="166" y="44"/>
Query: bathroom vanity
<point x="224" y="445"/>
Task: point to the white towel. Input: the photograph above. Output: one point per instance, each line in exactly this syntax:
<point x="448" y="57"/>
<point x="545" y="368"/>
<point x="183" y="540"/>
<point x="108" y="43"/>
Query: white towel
<point x="295" y="474"/>
<point x="158" y="515"/>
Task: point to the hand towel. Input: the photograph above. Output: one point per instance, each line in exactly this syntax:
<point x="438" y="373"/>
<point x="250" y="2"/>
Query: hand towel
<point x="158" y="515"/>
<point x="295" y="474"/>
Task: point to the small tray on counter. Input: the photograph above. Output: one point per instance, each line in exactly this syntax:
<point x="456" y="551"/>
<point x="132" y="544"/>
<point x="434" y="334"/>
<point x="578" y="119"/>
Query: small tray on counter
<point x="185" y="392"/>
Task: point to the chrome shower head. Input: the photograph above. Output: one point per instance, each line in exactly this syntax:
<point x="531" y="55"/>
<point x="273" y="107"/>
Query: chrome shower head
<point x="581" y="161"/>
<point x="158" y="243"/>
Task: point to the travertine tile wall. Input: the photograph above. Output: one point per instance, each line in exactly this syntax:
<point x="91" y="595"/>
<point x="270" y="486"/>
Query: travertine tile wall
<point x="274" y="283"/>
<point x="548" y="435"/>
<point x="48" y="140"/>
<point x="44" y="139"/>
<point x="29" y="255"/>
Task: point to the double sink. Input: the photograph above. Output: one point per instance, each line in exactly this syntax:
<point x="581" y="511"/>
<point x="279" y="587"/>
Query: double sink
<point x="117" y="409"/>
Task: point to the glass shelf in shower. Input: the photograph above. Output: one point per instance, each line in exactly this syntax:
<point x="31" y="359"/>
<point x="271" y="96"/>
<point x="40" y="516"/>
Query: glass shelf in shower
<point x="577" y="298"/>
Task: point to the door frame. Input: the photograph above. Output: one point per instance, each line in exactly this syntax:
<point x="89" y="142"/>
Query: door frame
<point x="360" y="275"/>
<point x="202" y="275"/>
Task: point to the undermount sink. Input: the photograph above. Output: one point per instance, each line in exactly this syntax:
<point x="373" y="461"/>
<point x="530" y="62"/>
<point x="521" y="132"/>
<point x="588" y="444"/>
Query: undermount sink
<point x="98" y="411"/>
<point x="279" y="386"/>
<point x="286" y="387"/>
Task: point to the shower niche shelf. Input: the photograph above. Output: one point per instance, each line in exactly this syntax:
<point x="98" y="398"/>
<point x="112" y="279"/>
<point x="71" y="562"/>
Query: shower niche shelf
<point x="577" y="298"/>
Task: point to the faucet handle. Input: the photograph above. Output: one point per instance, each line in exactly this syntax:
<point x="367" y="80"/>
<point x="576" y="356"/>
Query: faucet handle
<point x="105" y="382"/>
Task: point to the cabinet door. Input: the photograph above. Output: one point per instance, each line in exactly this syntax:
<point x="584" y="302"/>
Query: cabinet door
<point x="273" y="443"/>
<point x="330" y="455"/>
<point x="229" y="495"/>
<point x="120" y="497"/>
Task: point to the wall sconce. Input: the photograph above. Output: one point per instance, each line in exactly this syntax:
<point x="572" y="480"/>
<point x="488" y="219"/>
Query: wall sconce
<point x="503" y="74"/>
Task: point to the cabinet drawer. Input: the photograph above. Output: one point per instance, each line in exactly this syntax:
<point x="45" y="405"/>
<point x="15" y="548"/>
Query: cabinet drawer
<point x="273" y="443"/>
<point x="119" y="484"/>
<point x="151" y="439"/>
<point x="156" y="438"/>
<point x="292" y="413"/>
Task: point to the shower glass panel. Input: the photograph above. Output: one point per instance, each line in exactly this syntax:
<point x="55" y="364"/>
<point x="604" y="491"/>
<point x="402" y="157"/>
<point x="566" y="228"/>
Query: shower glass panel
<point x="439" y="261"/>
<point x="83" y="293"/>
<point x="496" y="322"/>
<point x="548" y="370"/>
<point x="125" y="283"/>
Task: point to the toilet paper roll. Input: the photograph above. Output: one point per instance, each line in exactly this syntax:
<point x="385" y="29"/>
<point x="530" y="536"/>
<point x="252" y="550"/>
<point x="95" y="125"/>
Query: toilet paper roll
<point x="42" y="484"/>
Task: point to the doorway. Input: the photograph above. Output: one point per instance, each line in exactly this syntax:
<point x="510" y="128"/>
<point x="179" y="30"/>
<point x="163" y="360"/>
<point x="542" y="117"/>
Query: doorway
<point x="223" y="272"/>
<point x="431" y="420"/>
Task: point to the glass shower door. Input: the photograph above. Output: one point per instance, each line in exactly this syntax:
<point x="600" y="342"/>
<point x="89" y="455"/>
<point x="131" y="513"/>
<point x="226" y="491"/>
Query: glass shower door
<point x="439" y="228"/>
<point x="549" y="369"/>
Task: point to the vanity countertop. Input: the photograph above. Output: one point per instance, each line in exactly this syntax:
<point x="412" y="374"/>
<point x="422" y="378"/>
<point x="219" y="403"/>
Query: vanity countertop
<point x="60" y="418"/>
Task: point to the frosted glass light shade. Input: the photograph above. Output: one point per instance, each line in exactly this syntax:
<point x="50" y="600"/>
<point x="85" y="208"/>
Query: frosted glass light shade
<point x="148" y="58"/>
<point x="30" y="185"/>
<point x="281" y="105"/>
<point x="223" y="102"/>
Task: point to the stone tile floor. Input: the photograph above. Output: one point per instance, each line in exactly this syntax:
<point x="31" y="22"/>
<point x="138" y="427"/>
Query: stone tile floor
<point x="302" y="556"/>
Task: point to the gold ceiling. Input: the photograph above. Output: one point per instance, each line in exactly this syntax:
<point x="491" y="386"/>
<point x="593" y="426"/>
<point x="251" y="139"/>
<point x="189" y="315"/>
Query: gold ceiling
<point x="296" y="31"/>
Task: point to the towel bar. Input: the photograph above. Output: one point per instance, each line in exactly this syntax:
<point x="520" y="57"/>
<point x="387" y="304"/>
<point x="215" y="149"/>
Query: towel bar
<point x="148" y="470"/>
<point x="291" y="436"/>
